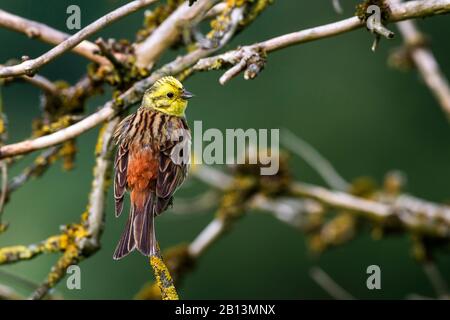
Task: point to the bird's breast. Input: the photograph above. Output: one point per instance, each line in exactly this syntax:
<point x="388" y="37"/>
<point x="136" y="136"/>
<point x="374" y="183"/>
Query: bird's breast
<point x="151" y="127"/>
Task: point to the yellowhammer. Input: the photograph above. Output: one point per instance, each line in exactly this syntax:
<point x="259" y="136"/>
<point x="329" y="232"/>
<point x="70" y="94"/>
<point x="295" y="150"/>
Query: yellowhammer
<point x="148" y="141"/>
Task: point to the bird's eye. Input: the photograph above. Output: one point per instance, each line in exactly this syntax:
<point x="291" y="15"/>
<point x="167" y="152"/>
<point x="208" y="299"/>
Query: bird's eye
<point x="170" y="95"/>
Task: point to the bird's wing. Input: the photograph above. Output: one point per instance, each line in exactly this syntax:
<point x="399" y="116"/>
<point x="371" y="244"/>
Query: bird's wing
<point x="172" y="173"/>
<point x="123" y="128"/>
<point x="121" y="163"/>
<point x="120" y="178"/>
<point x="170" y="176"/>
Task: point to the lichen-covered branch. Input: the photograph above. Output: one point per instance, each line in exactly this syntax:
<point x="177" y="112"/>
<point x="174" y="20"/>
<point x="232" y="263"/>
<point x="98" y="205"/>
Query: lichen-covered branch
<point x="100" y="184"/>
<point x="17" y="253"/>
<point x="412" y="213"/>
<point x="77" y="241"/>
<point x="88" y="232"/>
<point x="163" y="278"/>
<point x="36" y="169"/>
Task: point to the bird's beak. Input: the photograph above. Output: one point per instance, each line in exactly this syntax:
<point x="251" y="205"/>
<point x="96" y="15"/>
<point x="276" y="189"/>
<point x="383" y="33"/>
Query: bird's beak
<point x="186" y="94"/>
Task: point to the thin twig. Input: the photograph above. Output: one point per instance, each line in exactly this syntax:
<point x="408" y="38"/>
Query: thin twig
<point x="38" y="81"/>
<point x="329" y="285"/>
<point x="37" y="168"/>
<point x="4" y="191"/>
<point x="42" y="83"/>
<point x="312" y="157"/>
<point x="436" y="279"/>
<point x="337" y="6"/>
<point x="29" y="67"/>
<point x="199" y="204"/>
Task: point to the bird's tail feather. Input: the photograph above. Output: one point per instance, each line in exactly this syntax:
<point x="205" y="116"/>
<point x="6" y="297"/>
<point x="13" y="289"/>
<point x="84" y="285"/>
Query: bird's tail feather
<point x="126" y="243"/>
<point x="140" y="231"/>
<point x="144" y="230"/>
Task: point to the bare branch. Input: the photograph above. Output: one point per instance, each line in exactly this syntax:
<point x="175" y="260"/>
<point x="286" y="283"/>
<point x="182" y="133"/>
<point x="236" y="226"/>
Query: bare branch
<point x="399" y="12"/>
<point x="168" y="32"/>
<point x="197" y="204"/>
<point x="42" y="83"/>
<point x="341" y="200"/>
<point x="29" y="67"/>
<point x="216" y="10"/>
<point x="6" y="293"/>
<point x="47" y="34"/>
<point x="38" y="81"/>
<point x="59" y="136"/>
<point x="425" y="62"/>
<point x="207" y="237"/>
<point x="212" y="176"/>
<point x="297" y="213"/>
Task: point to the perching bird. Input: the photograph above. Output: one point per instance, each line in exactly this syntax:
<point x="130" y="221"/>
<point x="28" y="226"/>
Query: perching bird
<point x="150" y="163"/>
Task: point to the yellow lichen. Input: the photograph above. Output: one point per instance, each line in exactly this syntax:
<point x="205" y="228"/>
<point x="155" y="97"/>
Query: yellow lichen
<point x="149" y="292"/>
<point x="68" y="153"/>
<point x="2" y="126"/>
<point x="163" y="279"/>
<point x="99" y="144"/>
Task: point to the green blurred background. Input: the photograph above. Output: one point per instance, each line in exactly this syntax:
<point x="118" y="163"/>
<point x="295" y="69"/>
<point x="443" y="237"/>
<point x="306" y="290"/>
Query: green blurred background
<point x="363" y="116"/>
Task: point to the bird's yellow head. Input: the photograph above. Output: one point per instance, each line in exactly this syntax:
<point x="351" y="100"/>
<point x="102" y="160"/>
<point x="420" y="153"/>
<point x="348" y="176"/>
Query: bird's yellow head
<point x="168" y="96"/>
